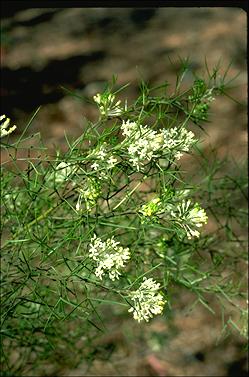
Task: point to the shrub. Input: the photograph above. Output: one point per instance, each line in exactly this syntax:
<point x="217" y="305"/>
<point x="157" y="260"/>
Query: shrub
<point x="116" y="221"/>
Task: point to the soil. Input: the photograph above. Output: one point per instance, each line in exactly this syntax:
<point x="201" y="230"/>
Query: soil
<point x="80" y="49"/>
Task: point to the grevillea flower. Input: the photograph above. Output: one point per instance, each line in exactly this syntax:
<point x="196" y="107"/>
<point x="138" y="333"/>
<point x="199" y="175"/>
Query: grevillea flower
<point x="103" y="161"/>
<point x="145" y="144"/>
<point x="189" y="217"/>
<point x="109" y="257"/>
<point x="147" y="301"/>
<point x="177" y="141"/>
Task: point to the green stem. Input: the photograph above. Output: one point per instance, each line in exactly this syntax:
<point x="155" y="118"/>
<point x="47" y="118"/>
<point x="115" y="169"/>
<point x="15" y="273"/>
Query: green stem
<point x="41" y="217"/>
<point x="129" y="194"/>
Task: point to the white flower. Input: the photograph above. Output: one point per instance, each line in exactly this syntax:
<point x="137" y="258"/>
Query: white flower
<point x="104" y="161"/>
<point x="145" y="144"/>
<point x="111" y="162"/>
<point x="176" y="141"/>
<point x="4" y="126"/>
<point x="95" y="166"/>
<point x="97" y="98"/>
<point x="106" y="104"/>
<point x="102" y="154"/>
<point x="147" y="301"/>
<point x="109" y="256"/>
<point x="128" y="128"/>
<point x="189" y="218"/>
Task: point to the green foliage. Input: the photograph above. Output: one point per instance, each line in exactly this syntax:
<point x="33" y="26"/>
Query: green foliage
<point x="116" y="201"/>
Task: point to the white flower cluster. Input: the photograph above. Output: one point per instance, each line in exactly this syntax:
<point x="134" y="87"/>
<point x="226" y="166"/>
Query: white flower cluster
<point x="62" y="172"/>
<point x="146" y="144"/>
<point x="176" y="141"/>
<point x="106" y="104"/>
<point x="110" y="257"/>
<point x="104" y="161"/>
<point x="176" y="207"/>
<point x="147" y="301"/>
<point x="89" y="194"/>
<point x="4" y="126"/>
<point x="189" y="218"/>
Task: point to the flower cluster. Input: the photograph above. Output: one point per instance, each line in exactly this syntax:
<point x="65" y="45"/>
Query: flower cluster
<point x="146" y="144"/>
<point x="176" y="141"/>
<point x="143" y="143"/>
<point x="150" y="210"/>
<point x="4" y="126"/>
<point x="189" y="218"/>
<point x="106" y="104"/>
<point x="177" y="207"/>
<point x="109" y="256"/>
<point x="147" y="301"/>
<point x="89" y="194"/>
<point x="104" y="161"/>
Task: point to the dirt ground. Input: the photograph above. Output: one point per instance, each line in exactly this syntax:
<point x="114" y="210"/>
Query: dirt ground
<point x="80" y="49"/>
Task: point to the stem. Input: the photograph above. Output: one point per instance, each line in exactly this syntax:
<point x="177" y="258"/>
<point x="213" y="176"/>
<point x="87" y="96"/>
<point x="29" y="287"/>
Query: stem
<point x="129" y="194"/>
<point x="41" y="217"/>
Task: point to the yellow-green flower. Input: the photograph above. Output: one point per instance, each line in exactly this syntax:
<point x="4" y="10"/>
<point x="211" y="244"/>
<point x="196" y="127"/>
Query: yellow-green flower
<point x="151" y="210"/>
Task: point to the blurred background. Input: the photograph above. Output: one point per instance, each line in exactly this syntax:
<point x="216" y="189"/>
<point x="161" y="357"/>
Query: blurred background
<point x="80" y="49"/>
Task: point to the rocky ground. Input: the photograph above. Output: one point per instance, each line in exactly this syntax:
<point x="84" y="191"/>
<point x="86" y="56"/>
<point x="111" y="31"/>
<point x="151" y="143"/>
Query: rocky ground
<point x="80" y="49"/>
